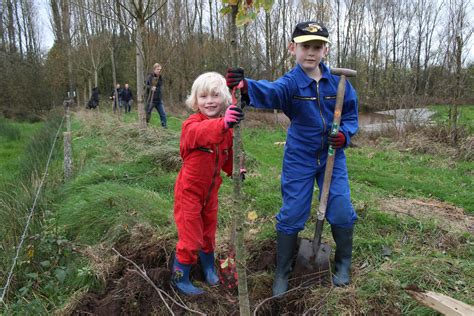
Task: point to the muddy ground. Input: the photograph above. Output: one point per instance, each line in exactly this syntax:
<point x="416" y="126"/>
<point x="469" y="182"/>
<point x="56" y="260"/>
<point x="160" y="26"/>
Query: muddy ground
<point x="443" y="214"/>
<point x="126" y="291"/>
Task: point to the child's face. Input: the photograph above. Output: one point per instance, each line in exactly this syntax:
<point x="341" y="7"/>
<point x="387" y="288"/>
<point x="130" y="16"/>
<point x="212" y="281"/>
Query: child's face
<point x="309" y="54"/>
<point x="210" y="103"/>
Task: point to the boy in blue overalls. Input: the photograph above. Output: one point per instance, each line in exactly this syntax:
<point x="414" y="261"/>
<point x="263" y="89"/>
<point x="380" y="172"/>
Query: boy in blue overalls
<point x="307" y="95"/>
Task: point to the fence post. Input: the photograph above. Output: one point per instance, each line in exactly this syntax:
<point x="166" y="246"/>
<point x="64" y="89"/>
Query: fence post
<point x="67" y="156"/>
<point x="67" y="103"/>
<point x="67" y="141"/>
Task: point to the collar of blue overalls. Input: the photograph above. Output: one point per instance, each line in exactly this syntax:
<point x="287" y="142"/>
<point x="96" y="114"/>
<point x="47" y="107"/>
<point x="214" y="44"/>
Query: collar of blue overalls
<point x="303" y="80"/>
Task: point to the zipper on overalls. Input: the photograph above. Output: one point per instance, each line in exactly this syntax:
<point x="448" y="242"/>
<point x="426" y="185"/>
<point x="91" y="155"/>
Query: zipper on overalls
<point x="213" y="176"/>
<point x="324" y="123"/>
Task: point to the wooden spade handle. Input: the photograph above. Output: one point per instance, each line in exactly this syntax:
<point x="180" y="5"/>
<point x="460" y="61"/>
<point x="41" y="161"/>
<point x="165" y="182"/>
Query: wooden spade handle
<point x="341" y="90"/>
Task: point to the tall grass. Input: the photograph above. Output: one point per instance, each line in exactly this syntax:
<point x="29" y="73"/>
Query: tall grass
<point x="8" y="130"/>
<point x="16" y="196"/>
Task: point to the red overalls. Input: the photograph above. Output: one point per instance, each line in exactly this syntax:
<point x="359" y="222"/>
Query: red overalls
<point x="205" y="148"/>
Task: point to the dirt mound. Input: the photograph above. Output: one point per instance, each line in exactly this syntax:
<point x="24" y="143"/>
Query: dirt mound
<point x="126" y="292"/>
<point x="446" y="215"/>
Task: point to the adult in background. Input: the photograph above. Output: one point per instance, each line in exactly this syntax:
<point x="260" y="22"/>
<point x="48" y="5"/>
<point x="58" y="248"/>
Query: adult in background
<point x="154" y="94"/>
<point x="116" y="93"/>
<point x="127" y="98"/>
<point x="94" y="99"/>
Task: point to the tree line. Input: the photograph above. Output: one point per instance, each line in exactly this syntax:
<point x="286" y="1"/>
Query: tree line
<point x="407" y="53"/>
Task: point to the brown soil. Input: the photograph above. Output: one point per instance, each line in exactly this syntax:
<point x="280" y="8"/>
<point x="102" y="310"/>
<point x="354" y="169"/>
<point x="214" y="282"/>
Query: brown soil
<point x="444" y="214"/>
<point x="127" y="293"/>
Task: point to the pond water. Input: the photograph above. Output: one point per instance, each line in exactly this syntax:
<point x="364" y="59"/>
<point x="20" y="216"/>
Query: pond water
<point x="377" y="121"/>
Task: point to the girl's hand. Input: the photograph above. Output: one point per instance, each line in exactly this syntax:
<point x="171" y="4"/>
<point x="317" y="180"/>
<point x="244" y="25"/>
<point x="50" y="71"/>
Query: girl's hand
<point x="233" y="115"/>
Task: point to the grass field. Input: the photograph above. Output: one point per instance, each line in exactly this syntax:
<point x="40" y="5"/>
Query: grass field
<point x="14" y="137"/>
<point x="465" y="112"/>
<point x="124" y="178"/>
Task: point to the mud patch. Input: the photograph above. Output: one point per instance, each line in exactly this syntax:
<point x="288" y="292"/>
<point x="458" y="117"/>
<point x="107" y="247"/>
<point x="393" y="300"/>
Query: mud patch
<point x="445" y="215"/>
<point x="126" y="292"/>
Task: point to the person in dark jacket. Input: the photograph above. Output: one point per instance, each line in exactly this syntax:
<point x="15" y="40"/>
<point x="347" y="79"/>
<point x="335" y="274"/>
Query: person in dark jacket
<point x="116" y="94"/>
<point x="94" y="99"/>
<point x="154" y="94"/>
<point x="127" y="98"/>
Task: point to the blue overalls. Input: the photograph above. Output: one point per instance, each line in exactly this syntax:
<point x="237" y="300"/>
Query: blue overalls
<point x="310" y="107"/>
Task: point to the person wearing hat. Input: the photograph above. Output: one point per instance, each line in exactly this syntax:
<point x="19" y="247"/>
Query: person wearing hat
<point x="307" y="95"/>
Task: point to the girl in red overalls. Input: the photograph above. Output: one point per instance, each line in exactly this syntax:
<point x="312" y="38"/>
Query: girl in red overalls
<point x="206" y="148"/>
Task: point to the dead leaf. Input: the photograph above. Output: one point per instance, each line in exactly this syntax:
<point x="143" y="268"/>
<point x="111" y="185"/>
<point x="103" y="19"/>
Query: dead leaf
<point x="252" y="216"/>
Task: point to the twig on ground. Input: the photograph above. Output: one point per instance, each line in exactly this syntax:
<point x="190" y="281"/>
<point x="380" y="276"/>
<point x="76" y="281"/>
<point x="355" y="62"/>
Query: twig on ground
<point x="277" y="296"/>
<point x="142" y="273"/>
<point x="319" y="305"/>
<point x="403" y="213"/>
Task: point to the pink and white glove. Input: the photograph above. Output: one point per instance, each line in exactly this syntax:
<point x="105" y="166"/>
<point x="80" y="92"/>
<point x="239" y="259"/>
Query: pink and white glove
<point x="233" y="115"/>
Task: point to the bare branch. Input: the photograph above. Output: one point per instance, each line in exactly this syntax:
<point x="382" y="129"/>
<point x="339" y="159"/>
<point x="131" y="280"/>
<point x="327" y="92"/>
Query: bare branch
<point x="126" y="9"/>
<point x="142" y="273"/>
<point x="102" y="15"/>
<point x="156" y="11"/>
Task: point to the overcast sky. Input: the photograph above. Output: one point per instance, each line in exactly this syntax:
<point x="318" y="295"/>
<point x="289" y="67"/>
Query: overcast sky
<point x="46" y="35"/>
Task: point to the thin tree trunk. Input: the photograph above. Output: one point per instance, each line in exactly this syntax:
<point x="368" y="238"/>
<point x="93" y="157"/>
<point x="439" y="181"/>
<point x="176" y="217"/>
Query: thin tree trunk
<point x="66" y="23"/>
<point x="85" y="92"/>
<point x="10" y="27"/>
<point x="211" y="19"/>
<point x="2" y="37"/>
<point x="140" y="77"/>
<point x="96" y="77"/>
<point x="115" y="104"/>
<point x="457" y="95"/>
<point x="18" y="25"/>
<point x="239" y="219"/>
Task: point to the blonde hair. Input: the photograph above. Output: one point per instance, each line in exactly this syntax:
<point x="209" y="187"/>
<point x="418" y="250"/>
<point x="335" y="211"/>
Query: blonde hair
<point x="156" y="66"/>
<point x="210" y="82"/>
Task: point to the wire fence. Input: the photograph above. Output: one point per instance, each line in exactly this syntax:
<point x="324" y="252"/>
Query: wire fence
<point x="30" y="215"/>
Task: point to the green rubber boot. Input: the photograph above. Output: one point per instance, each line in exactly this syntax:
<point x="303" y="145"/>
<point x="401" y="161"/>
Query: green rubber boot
<point x="343" y="258"/>
<point x="286" y="245"/>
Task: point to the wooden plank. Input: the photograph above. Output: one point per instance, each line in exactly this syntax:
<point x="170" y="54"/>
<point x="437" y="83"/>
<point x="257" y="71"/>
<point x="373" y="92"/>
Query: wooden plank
<point x="442" y="303"/>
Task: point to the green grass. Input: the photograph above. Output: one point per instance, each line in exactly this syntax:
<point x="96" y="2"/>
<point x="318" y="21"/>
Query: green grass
<point x="104" y="211"/>
<point x="466" y="115"/>
<point x="123" y="178"/>
<point x="392" y="173"/>
<point x="14" y="137"/>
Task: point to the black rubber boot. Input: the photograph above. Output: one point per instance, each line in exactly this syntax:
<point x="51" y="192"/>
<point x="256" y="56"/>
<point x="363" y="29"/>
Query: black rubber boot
<point x="286" y="245"/>
<point x="343" y="258"/>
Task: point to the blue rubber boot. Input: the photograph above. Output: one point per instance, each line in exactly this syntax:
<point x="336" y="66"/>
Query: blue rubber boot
<point x="286" y="245"/>
<point x="208" y="267"/>
<point x="343" y="258"/>
<point x="180" y="279"/>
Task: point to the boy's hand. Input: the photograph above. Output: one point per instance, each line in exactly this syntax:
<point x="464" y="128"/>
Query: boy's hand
<point x="338" y="141"/>
<point x="233" y="115"/>
<point x="234" y="76"/>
